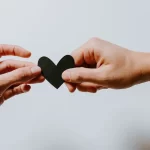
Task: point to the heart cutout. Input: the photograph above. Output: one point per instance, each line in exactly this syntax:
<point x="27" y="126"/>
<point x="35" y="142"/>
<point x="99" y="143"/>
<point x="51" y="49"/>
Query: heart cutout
<point x="52" y="72"/>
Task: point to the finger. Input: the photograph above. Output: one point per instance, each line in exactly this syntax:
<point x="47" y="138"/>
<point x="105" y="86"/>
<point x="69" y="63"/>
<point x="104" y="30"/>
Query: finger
<point x="86" y="53"/>
<point x="16" y="91"/>
<point x="71" y="87"/>
<point x="21" y="75"/>
<point x="91" y="85"/>
<point x="84" y="56"/>
<point x="38" y="79"/>
<point x="14" y="50"/>
<point x="79" y="75"/>
<point x="78" y="56"/>
<point x="86" y="89"/>
<point x="9" y="65"/>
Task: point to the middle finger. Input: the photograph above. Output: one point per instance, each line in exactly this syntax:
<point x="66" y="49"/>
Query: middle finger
<point x="10" y="65"/>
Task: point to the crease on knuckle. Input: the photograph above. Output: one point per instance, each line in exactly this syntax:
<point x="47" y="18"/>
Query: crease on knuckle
<point x="24" y="74"/>
<point x="13" y="92"/>
<point x="14" y="50"/>
<point x="8" y="63"/>
<point x="18" y="90"/>
<point x="78" y="77"/>
<point x="5" y="65"/>
<point x="2" y="52"/>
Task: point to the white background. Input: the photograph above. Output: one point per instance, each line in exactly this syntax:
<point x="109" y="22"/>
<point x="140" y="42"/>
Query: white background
<point x="50" y="119"/>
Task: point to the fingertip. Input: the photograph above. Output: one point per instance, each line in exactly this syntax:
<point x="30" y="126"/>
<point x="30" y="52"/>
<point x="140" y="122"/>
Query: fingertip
<point x="66" y="76"/>
<point x="20" y="51"/>
<point x="72" y="90"/>
<point x="26" y="88"/>
<point x="28" y="54"/>
<point x="42" y="79"/>
<point x="71" y="87"/>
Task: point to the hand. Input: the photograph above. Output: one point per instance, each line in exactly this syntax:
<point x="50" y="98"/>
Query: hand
<point x="15" y="76"/>
<point x="101" y="65"/>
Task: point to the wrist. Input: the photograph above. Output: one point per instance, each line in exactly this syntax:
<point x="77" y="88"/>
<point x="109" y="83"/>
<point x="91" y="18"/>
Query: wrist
<point x="141" y="62"/>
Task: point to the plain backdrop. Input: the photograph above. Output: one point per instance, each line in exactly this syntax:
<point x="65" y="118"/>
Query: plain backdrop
<point x="50" y="119"/>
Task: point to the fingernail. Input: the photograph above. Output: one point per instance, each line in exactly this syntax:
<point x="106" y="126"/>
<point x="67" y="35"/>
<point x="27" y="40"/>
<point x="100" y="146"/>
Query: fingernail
<point x="66" y="76"/>
<point x="27" y="88"/>
<point x="36" y="70"/>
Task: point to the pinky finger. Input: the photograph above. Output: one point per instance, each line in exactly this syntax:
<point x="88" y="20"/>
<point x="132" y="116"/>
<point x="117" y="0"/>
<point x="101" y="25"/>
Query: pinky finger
<point x="16" y="91"/>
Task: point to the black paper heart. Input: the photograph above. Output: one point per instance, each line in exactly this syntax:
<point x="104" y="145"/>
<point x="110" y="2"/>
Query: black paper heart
<point x="53" y="73"/>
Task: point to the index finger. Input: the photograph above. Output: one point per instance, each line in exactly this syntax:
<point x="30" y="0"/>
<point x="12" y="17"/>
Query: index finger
<point x="78" y="55"/>
<point x="6" y="50"/>
<point x="84" y="54"/>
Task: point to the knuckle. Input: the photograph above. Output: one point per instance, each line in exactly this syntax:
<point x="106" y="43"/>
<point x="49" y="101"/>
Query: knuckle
<point x="15" y="47"/>
<point x="4" y="65"/>
<point x="94" y="40"/>
<point x="2" y="48"/>
<point x="7" y="63"/>
<point x="17" y="91"/>
<point x="24" y="74"/>
<point x="13" y="92"/>
<point x="31" y="64"/>
<point x="21" y="74"/>
<point x="78" y="77"/>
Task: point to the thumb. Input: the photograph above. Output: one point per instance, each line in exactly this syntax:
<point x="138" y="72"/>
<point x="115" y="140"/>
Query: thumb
<point x="20" y="75"/>
<point x="79" y="75"/>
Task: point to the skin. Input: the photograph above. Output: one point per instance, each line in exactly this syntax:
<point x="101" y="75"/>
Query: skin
<point x="102" y="65"/>
<point x="16" y="76"/>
